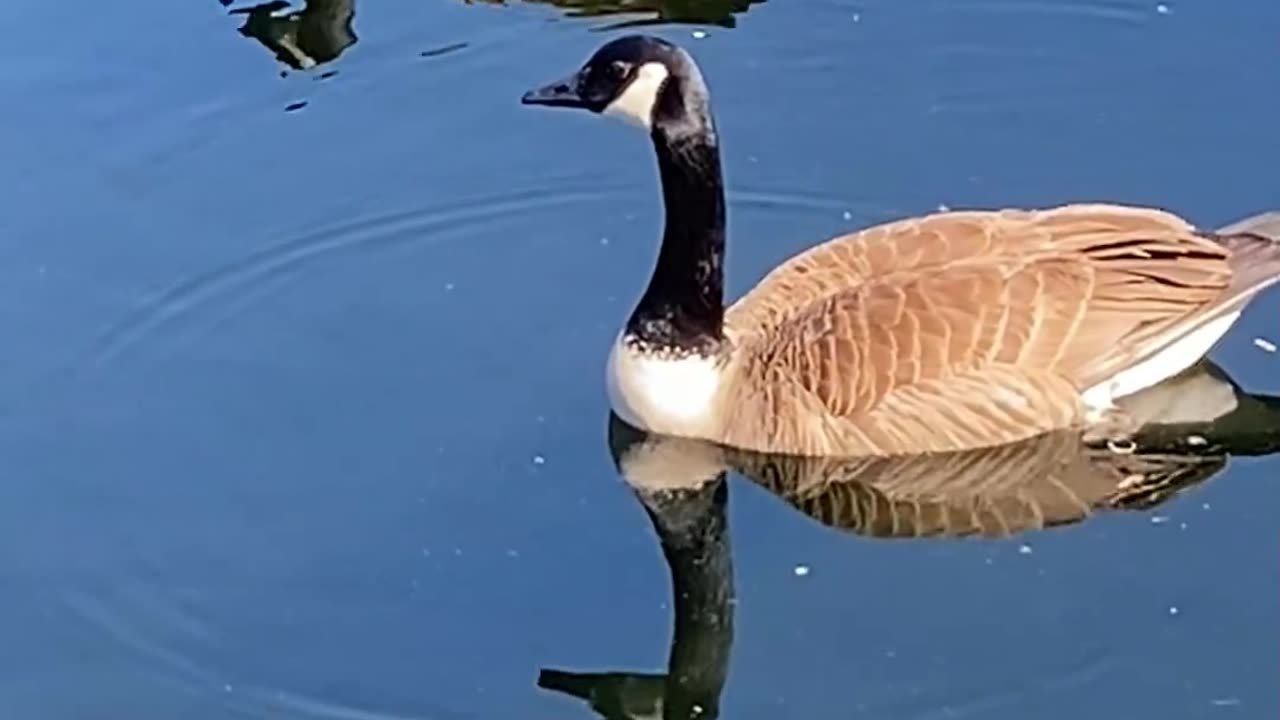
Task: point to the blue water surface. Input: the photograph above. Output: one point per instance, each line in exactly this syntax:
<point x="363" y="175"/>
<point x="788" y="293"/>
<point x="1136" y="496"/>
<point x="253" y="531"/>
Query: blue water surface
<point x="303" y="409"/>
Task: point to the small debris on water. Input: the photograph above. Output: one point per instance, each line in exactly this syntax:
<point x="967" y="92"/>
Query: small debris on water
<point x="857" y="17"/>
<point x="539" y="460"/>
<point x="1024" y="549"/>
<point x="699" y="34"/>
<point x="1265" y="344"/>
<point x="943" y="207"/>
<point x="848" y="215"/>
<point x="1122" y="447"/>
<point x="448" y="287"/>
<point x="1225" y="702"/>
<point x="1205" y="506"/>
<point x="1159" y="519"/>
<point x="801" y="570"/>
<point x="1173" y="609"/>
<point x="1162" y="8"/>
<point x="293" y="107"/>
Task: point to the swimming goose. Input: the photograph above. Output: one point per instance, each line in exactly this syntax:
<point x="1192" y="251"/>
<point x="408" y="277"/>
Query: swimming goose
<point x="944" y="332"/>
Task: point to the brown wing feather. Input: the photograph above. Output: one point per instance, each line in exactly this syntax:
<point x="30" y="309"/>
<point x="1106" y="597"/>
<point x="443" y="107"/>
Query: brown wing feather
<point x="977" y="326"/>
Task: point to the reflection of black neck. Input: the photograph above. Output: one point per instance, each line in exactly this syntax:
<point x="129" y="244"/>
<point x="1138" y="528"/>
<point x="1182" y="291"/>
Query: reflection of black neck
<point x="693" y="530"/>
<point x="683" y="306"/>
<point x="695" y="541"/>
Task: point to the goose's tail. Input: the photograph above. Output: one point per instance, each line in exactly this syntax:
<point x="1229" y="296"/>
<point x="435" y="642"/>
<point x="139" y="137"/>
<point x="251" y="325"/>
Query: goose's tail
<point x="1254" y="243"/>
<point x="1265" y="224"/>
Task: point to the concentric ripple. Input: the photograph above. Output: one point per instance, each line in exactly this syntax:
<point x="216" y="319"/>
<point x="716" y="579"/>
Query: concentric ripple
<point x="243" y="279"/>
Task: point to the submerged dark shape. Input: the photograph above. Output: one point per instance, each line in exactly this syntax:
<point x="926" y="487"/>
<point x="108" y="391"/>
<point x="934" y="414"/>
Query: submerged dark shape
<point x="302" y="39"/>
<point x="720" y="13"/>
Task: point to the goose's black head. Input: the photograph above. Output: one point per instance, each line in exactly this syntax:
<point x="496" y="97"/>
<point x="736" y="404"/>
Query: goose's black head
<point x="640" y="78"/>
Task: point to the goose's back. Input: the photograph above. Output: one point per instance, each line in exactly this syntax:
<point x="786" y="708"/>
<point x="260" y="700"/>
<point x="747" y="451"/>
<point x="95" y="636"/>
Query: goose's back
<point x="960" y="329"/>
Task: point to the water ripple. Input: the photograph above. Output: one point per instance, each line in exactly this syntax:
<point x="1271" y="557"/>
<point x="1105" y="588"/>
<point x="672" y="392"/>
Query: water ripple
<point x="258" y="272"/>
<point x="775" y="200"/>
<point x="278" y="704"/>
<point x="1116" y="11"/>
<point x="113" y="620"/>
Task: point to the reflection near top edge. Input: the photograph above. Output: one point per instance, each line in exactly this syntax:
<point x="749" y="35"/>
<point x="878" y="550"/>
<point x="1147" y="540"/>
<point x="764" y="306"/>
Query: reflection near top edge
<point x="720" y="13"/>
<point x="302" y="39"/>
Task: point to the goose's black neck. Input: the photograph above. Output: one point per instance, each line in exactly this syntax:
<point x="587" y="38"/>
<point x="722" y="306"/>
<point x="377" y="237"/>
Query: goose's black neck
<point x="683" y="307"/>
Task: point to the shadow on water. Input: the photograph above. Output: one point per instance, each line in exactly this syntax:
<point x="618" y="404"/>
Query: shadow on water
<point x="1191" y="426"/>
<point x="302" y="39"/>
<point x="720" y="13"/>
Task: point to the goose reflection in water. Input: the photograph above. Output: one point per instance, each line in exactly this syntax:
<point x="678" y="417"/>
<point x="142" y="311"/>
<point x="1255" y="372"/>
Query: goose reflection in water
<point x="302" y="39"/>
<point x="1190" y="427"/>
<point x="720" y="13"/>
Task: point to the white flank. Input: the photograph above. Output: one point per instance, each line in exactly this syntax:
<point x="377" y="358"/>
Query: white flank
<point x="635" y="104"/>
<point x="670" y="397"/>
<point x="1178" y="356"/>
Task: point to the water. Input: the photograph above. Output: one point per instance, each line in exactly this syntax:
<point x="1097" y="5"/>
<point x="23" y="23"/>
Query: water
<point x="303" y="400"/>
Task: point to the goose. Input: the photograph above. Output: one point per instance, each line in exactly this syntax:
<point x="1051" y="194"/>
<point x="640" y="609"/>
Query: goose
<point x="944" y="332"/>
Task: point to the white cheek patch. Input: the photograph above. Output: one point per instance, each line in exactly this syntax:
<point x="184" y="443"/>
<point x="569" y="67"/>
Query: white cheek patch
<point x="636" y="102"/>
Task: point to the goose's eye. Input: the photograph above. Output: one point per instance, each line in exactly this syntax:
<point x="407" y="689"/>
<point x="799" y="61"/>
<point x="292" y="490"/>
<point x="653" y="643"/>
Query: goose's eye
<point x="618" y="70"/>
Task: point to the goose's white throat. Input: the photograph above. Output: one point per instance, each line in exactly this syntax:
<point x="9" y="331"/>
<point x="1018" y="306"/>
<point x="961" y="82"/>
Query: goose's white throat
<point x="666" y="396"/>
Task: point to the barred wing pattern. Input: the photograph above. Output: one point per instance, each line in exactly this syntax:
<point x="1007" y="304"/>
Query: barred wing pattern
<point x="963" y="329"/>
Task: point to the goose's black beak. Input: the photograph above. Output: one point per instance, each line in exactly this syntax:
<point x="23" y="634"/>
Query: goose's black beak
<point x="562" y="93"/>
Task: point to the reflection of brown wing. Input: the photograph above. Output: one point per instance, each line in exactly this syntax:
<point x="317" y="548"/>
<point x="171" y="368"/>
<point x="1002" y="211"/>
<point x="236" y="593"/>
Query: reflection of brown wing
<point x="1162" y="476"/>
<point x="1049" y="480"/>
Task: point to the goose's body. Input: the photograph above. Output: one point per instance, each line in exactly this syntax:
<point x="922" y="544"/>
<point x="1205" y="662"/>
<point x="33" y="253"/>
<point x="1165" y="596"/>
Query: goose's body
<point x="950" y="331"/>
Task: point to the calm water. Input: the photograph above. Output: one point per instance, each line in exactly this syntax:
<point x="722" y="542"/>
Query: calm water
<point x="303" y="404"/>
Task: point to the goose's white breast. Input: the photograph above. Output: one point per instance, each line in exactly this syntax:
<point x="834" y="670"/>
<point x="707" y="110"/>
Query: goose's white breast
<point x="668" y="396"/>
